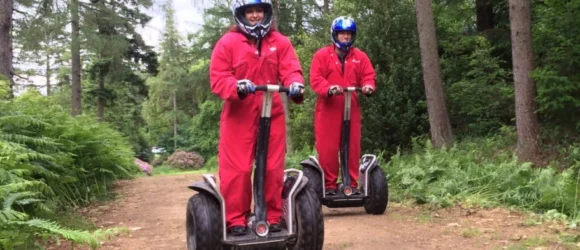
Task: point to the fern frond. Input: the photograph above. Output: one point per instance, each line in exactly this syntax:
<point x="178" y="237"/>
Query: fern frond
<point x="29" y="140"/>
<point x="23" y="120"/>
<point x="80" y="237"/>
<point x="8" y="201"/>
<point x="9" y="215"/>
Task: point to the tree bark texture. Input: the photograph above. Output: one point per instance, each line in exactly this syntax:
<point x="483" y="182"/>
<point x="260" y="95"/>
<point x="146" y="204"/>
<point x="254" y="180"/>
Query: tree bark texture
<point x="484" y="15"/>
<point x="527" y="124"/>
<point x="76" y="103"/>
<point x="6" y="9"/>
<point x="441" y="133"/>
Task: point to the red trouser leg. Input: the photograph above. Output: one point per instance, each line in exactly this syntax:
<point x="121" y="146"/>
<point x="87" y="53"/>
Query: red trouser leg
<point x="235" y="157"/>
<point x="327" y="135"/>
<point x="275" y="168"/>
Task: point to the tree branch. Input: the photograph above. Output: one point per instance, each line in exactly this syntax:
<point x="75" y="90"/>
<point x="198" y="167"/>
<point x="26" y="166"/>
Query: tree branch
<point x="19" y="11"/>
<point x="21" y="77"/>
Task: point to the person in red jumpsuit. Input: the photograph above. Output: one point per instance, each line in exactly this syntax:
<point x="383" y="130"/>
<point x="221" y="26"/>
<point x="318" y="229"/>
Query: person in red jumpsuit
<point x="333" y="68"/>
<point x="250" y="54"/>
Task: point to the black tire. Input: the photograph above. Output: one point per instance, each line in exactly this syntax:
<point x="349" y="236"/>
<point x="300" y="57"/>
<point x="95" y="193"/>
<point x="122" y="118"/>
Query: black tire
<point x="203" y="223"/>
<point x="314" y="181"/>
<point x="309" y="223"/>
<point x="378" y="192"/>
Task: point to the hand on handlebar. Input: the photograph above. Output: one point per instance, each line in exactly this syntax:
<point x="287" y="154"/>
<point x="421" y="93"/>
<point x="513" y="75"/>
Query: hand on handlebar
<point x="367" y="90"/>
<point x="334" y="90"/>
<point x="244" y="87"/>
<point x="296" y="90"/>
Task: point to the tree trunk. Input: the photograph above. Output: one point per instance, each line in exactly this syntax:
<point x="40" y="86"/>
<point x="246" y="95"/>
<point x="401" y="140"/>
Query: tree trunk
<point x="174" y="121"/>
<point x="484" y="15"/>
<point x="441" y="133"/>
<point x="527" y="123"/>
<point x="100" y="98"/>
<point x="275" y="13"/>
<point x="48" y="74"/>
<point x="76" y="104"/>
<point x="326" y="6"/>
<point x="289" y="147"/>
<point x="6" y="41"/>
<point x="299" y="15"/>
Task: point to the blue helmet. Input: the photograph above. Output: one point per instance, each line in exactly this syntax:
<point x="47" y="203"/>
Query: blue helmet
<point x="258" y="30"/>
<point x="343" y="23"/>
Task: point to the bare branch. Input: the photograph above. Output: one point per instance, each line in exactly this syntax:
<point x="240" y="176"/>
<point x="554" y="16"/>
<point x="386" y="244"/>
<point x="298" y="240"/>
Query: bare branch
<point x="19" y="11"/>
<point x="21" y="77"/>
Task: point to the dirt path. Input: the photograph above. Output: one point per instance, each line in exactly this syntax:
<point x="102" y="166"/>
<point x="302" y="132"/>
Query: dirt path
<point x="153" y="208"/>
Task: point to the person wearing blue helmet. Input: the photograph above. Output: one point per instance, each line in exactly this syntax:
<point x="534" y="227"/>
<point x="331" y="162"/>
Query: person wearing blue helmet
<point x="333" y="68"/>
<point x="252" y="53"/>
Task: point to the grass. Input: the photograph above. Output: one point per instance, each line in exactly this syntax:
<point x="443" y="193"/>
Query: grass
<point x="167" y="170"/>
<point x="471" y="232"/>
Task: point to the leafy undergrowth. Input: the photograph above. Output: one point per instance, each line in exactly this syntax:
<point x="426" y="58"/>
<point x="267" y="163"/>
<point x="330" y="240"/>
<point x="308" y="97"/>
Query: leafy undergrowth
<point x="483" y="173"/>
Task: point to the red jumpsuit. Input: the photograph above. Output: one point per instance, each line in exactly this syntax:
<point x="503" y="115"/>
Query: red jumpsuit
<point x="325" y="71"/>
<point x="235" y="58"/>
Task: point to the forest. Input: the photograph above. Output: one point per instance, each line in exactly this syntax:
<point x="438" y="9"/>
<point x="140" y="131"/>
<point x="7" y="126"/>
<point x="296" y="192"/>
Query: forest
<point x="477" y="102"/>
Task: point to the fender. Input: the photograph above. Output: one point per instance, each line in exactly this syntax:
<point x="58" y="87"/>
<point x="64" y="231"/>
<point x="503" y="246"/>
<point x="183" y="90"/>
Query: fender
<point x="313" y="163"/>
<point x="368" y="163"/>
<point x="209" y="187"/>
<point x="293" y="184"/>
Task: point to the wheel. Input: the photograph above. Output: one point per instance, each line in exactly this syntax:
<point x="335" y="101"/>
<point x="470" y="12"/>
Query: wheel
<point x="309" y="224"/>
<point x="314" y="181"/>
<point x="378" y="192"/>
<point x="203" y="223"/>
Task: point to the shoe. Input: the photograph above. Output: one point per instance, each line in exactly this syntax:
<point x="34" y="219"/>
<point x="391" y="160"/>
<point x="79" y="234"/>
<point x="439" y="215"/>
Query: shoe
<point x="275" y="228"/>
<point x="330" y="191"/>
<point x="238" y="231"/>
<point x="355" y="191"/>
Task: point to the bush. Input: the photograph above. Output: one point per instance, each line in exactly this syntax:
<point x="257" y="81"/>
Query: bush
<point x="185" y="160"/>
<point x="157" y="162"/>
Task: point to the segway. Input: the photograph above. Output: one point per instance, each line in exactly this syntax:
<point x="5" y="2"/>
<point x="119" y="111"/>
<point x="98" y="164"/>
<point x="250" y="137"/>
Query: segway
<point x="373" y="184"/>
<point x="302" y="223"/>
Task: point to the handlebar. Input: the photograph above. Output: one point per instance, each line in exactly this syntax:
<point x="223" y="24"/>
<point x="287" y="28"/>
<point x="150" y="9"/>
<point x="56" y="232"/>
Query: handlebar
<point x="272" y="88"/>
<point x="353" y="89"/>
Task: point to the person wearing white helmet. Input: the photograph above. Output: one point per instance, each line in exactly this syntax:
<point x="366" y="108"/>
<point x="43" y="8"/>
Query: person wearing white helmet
<point x="252" y="53"/>
<point x="333" y="68"/>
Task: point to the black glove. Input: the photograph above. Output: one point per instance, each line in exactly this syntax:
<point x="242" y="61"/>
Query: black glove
<point x="245" y="87"/>
<point x="334" y="90"/>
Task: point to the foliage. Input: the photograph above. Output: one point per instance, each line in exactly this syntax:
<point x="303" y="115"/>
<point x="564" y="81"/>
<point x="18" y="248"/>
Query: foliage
<point x="204" y="128"/>
<point x="51" y="161"/>
<point x="185" y="160"/>
<point x="557" y="48"/>
<point x="483" y="173"/>
<point x="480" y="96"/>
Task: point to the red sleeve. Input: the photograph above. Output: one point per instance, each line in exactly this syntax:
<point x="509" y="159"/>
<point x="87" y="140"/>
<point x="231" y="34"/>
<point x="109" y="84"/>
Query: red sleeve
<point x="319" y="84"/>
<point x="221" y="75"/>
<point x="368" y="72"/>
<point x="289" y="70"/>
